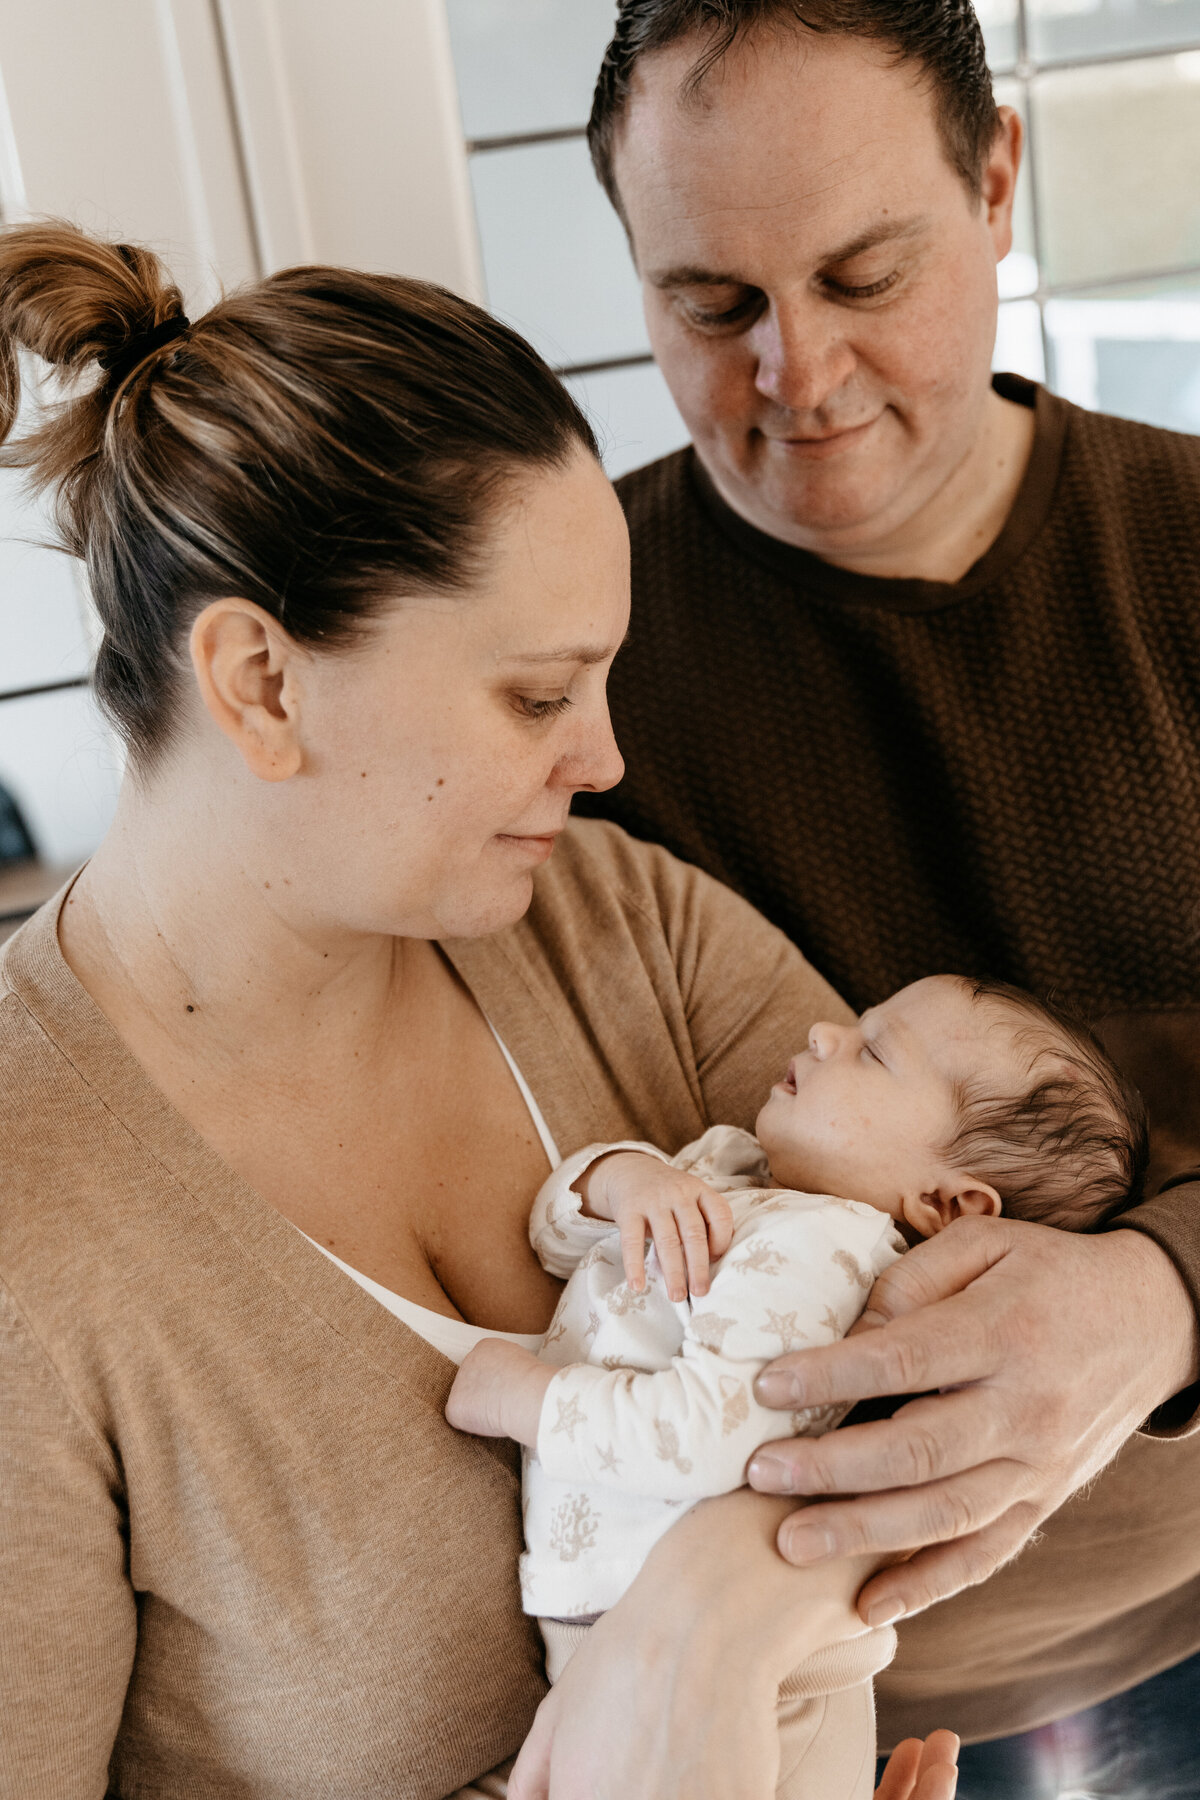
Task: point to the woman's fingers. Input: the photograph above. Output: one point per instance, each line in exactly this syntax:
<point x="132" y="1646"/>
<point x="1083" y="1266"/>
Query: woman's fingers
<point x="900" y="1775"/>
<point x="530" y="1778"/>
<point x="922" y="1770"/>
<point x="927" y="1440"/>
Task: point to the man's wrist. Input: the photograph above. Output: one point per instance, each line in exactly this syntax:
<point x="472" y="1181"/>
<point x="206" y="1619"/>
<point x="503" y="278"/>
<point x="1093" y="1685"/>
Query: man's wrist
<point x="1174" y="1359"/>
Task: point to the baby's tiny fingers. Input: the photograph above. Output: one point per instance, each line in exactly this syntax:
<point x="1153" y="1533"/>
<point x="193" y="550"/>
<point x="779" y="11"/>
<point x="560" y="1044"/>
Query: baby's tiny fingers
<point x="719" y="1213"/>
<point x="670" y="1255"/>
<point x="633" y="1251"/>
<point x="693" y="1232"/>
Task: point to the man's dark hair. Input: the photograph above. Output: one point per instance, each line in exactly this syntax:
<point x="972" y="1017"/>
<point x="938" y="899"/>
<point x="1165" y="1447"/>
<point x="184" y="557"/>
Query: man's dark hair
<point x="943" y="36"/>
<point x="1072" y="1145"/>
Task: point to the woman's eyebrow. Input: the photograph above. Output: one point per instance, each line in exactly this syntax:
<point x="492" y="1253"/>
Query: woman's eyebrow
<point x="569" y="653"/>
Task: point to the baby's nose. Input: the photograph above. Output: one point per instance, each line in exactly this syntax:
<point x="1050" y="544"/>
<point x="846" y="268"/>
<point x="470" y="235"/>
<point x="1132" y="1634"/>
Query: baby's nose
<point x="823" y="1039"/>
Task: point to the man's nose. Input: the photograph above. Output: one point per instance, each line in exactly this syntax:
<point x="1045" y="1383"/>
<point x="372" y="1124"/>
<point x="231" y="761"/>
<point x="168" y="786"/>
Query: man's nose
<point x="803" y="355"/>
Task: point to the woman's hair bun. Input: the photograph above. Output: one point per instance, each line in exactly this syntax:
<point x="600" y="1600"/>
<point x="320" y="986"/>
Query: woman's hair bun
<point x="76" y="303"/>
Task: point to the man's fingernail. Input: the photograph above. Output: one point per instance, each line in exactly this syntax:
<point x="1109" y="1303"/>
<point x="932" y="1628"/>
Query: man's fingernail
<point x="885" y="1612"/>
<point x="776" y="1390"/>
<point x="808" y="1544"/>
<point x="769" y="1475"/>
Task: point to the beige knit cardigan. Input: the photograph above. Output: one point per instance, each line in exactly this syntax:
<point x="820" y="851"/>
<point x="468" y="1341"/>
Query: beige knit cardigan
<point x="241" y="1553"/>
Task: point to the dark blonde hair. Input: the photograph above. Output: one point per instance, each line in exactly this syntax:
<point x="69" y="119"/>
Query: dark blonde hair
<point x="318" y="443"/>
<point x="1072" y="1145"/>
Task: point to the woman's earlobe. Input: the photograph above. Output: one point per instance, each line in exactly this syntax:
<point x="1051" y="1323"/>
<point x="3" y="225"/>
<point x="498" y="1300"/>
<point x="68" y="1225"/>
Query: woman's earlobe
<point x="241" y="658"/>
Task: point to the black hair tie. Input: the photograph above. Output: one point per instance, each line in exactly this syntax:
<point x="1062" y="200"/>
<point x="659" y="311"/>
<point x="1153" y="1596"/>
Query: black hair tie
<point x="120" y="363"/>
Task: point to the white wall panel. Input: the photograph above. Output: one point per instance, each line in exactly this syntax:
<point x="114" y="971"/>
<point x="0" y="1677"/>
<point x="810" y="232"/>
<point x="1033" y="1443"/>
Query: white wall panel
<point x="117" y="118"/>
<point x="352" y="137"/>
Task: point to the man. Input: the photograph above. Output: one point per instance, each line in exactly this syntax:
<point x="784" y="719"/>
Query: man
<point x="914" y="665"/>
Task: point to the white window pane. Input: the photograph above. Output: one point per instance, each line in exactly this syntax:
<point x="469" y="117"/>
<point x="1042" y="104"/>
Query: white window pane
<point x="42" y="631"/>
<point x="62" y="766"/>
<point x="1118" y="169"/>
<point x="527" y="65"/>
<point x="1061" y="29"/>
<point x="1019" y="346"/>
<point x="633" y="415"/>
<point x="1136" y="354"/>
<point x="554" y="254"/>
<point x="999" y="21"/>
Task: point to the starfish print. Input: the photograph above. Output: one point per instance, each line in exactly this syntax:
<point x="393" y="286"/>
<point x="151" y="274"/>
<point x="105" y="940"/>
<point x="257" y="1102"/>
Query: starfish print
<point x="784" y="1327"/>
<point x="610" y="1460"/>
<point x="830" y="1322"/>
<point x="593" y="1326"/>
<point x="557" y="1330"/>
<point x="570" y="1414"/>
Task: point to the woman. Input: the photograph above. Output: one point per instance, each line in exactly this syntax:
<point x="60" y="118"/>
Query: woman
<point x="284" y="1065"/>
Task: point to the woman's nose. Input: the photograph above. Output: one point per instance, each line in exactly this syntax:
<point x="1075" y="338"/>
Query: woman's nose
<point x="594" y="762"/>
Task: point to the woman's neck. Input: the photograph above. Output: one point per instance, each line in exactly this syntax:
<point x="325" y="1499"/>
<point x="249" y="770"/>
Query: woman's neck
<point x="175" y="933"/>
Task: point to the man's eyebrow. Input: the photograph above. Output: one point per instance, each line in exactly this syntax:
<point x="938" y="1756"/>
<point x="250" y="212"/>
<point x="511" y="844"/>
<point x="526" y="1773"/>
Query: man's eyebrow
<point x="886" y="232"/>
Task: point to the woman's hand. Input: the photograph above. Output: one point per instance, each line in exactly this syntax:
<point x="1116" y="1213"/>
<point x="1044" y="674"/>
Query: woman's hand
<point x="672" y="1695"/>
<point x="691" y="1223"/>
<point x="922" y="1771"/>
<point x="1029" y="1349"/>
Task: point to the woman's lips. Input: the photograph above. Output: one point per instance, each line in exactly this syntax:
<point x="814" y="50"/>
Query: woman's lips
<point x="540" y="847"/>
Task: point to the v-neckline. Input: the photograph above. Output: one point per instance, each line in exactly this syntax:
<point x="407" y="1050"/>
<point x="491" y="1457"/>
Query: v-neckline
<point x="40" y="977"/>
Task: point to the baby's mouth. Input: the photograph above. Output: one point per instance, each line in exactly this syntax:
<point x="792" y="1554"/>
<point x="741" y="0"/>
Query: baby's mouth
<point x="789" y="1080"/>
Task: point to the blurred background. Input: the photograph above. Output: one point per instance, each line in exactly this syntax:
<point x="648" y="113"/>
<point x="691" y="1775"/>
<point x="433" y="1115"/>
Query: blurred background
<point x="444" y="139"/>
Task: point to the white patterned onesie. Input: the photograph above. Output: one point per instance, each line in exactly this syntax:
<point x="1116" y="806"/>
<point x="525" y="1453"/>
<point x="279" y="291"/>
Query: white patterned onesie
<point x="653" y="1406"/>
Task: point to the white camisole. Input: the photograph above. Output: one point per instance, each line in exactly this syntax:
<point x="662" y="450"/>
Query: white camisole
<point x="454" y="1337"/>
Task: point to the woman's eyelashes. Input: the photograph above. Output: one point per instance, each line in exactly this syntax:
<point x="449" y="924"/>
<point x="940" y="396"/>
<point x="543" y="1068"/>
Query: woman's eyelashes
<point x="534" y="709"/>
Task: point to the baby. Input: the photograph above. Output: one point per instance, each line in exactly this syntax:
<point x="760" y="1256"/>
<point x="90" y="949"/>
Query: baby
<point x="951" y="1099"/>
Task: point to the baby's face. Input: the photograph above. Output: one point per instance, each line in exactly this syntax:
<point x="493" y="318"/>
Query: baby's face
<point x="862" y="1111"/>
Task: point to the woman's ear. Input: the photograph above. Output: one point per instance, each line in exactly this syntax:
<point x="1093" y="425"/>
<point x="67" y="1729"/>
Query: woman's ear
<point x="931" y="1212"/>
<point x="245" y="664"/>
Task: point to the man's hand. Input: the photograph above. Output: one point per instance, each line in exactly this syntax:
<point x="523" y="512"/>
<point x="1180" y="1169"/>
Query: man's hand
<point x="1031" y="1353"/>
<point x="499" y="1391"/>
<point x="922" y="1771"/>
<point x="690" y="1222"/>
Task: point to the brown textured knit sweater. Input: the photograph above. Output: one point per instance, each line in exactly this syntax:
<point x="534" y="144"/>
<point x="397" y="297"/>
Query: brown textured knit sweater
<point x="999" y="776"/>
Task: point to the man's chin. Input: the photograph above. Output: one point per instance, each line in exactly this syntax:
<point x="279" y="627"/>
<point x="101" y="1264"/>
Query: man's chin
<point x="830" y="510"/>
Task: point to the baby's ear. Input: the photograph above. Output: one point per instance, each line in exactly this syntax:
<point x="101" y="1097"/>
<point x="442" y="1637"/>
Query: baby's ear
<point x="977" y="1200"/>
<point x="931" y="1212"/>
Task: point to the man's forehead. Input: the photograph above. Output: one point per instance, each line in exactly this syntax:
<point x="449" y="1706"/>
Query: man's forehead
<point x="791" y="136"/>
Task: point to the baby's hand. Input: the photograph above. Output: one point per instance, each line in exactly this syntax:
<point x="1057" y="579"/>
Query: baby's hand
<point x="498" y="1392"/>
<point x="690" y="1222"/>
